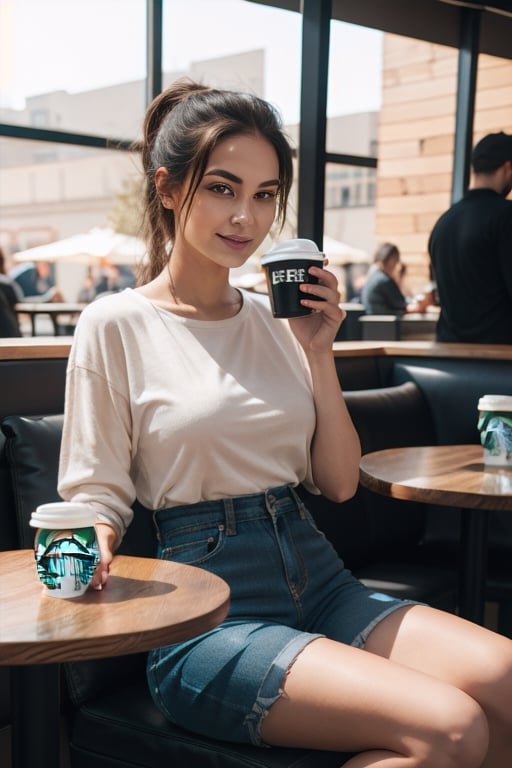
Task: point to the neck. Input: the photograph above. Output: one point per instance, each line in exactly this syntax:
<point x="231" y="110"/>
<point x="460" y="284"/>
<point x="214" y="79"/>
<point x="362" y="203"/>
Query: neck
<point x="210" y="302"/>
<point x="494" y="181"/>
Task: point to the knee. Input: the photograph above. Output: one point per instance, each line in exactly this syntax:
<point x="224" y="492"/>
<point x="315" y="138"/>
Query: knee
<point x="463" y="738"/>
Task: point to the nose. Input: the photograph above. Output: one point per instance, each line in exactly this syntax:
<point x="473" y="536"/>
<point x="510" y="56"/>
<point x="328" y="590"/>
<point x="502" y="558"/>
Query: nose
<point x="242" y="214"/>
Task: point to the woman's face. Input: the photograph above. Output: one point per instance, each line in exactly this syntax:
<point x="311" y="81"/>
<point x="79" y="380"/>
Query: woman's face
<point x="234" y="205"/>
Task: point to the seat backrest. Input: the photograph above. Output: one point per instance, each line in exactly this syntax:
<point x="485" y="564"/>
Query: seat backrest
<point x="379" y="327"/>
<point x="32" y="446"/>
<point x="370" y="526"/>
<point x="8" y="529"/>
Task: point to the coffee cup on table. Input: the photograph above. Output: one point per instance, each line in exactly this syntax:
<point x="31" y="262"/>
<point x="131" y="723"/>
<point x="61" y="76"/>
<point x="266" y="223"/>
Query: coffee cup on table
<point x="495" y="427"/>
<point x="286" y="267"/>
<point x="65" y="547"/>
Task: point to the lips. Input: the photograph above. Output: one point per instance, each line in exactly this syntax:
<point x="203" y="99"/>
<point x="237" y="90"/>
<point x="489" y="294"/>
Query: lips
<point x="235" y="241"/>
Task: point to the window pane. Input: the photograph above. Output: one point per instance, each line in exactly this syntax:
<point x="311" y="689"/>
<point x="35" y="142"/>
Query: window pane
<point x="350" y="206"/>
<point x="41" y="202"/>
<point x="354" y="86"/>
<point x="62" y="63"/>
<point x="236" y="45"/>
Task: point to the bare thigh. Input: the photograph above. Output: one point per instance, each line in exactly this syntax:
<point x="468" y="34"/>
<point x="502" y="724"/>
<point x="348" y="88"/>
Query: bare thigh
<point x="341" y="698"/>
<point x="449" y="648"/>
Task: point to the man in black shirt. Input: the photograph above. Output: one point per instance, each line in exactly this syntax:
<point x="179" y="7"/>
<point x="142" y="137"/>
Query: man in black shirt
<point x="470" y="249"/>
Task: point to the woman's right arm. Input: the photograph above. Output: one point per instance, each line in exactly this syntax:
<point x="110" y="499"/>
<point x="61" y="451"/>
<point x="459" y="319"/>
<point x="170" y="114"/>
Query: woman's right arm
<point x="96" y="448"/>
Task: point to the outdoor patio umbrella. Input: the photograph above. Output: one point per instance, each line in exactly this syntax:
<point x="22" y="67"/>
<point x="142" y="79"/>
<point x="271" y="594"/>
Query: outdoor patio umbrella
<point x="341" y="253"/>
<point x="99" y="246"/>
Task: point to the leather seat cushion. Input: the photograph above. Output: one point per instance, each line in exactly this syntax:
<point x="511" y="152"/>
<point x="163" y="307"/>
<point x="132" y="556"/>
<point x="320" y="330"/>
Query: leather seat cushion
<point x="125" y="728"/>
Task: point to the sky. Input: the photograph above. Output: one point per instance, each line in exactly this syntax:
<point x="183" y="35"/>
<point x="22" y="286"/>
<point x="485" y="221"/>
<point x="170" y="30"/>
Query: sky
<point x="78" y="45"/>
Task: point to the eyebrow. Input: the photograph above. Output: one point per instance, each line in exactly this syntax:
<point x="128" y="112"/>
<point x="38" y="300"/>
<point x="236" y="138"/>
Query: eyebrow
<point x="237" y="179"/>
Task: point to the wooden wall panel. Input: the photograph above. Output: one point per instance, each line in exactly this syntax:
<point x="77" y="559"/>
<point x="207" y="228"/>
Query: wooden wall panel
<point x="416" y="139"/>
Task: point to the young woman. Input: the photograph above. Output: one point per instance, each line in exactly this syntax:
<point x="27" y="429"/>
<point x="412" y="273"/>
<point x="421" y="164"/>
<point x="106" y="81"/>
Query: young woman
<point x="188" y="395"/>
<point x="382" y="293"/>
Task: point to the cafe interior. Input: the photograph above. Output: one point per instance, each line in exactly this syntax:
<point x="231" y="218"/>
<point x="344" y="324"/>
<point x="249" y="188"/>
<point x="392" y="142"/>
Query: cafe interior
<point x="429" y="520"/>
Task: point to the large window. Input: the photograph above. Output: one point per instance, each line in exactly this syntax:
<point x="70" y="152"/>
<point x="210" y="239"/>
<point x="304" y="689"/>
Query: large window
<point x="74" y="81"/>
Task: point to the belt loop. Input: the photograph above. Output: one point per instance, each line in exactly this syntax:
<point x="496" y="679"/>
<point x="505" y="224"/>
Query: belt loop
<point x="270" y="501"/>
<point x="155" y="523"/>
<point x="230" y="514"/>
<point x="298" y="501"/>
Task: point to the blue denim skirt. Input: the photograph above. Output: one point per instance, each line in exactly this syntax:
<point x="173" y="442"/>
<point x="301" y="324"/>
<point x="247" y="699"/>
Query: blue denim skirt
<point x="288" y="587"/>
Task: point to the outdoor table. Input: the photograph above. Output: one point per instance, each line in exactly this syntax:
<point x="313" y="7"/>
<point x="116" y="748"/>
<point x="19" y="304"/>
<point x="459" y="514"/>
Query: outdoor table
<point x="52" y="308"/>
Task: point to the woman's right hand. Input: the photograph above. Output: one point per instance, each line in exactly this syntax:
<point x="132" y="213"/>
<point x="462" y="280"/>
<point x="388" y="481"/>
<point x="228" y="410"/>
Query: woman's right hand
<point x="106" y="542"/>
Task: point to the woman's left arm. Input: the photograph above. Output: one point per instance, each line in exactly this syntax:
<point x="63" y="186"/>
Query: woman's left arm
<point x="335" y="449"/>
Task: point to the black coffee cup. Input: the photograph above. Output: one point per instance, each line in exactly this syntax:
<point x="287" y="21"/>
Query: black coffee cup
<point x="286" y="268"/>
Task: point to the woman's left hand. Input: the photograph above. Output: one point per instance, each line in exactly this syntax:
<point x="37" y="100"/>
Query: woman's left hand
<point x="316" y="332"/>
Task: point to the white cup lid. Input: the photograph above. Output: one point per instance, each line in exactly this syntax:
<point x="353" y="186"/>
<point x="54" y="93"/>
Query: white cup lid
<point x="495" y="403"/>
<point x="61" y="515"/>
<point x="298" y="248"/>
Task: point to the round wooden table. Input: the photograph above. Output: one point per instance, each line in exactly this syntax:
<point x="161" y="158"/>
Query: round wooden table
<point x="145" y="604"/>
<point x="454" y="476"/>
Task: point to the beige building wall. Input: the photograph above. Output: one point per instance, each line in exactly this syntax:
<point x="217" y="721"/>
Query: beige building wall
<point x="416" y="139"/>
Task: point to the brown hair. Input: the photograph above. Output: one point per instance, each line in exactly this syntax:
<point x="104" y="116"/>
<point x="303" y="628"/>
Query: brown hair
<point x="385" y="253"/>
<point x="181" y="128"/>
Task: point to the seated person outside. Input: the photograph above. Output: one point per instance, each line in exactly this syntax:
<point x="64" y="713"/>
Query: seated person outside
<point x="10" y="295"/>
<point x="381" y="293"/>
<point x="36" y="281"/>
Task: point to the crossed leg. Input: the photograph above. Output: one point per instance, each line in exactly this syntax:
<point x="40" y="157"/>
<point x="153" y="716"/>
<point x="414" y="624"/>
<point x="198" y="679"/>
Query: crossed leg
<point x="429" y="690"/>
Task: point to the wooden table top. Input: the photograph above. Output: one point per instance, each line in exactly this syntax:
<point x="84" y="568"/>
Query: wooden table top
<point x="450" y="475"/>
<point x="145" y="604"/>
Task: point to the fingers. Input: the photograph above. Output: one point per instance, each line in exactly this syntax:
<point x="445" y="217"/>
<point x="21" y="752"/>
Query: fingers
<point x="100" y="577"/>
<point x="106" y="542"/>
<point x="326" y="290"/>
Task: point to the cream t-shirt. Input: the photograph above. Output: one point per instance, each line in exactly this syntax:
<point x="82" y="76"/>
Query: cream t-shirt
<point x="172" y="410"/>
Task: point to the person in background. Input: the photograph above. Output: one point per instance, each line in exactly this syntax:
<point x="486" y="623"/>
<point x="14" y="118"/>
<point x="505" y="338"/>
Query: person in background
<point x="470" y="248"/>
<point x="36" y="281"/>
<point x="186" y="394"/>
<point x="87" y="292"/>
<point x="10" y="295"/>
<point x="109" y="281"/>
<point x="381" y="293"/>
<point x="114" y="278"/>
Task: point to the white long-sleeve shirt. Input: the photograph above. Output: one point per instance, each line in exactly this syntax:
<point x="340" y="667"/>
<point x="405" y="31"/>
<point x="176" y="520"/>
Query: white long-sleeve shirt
<point x="172" y="410"/>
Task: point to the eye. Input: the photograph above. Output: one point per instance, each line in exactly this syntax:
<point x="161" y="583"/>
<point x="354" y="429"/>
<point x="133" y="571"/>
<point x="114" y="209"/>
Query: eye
<point x="220" y="189"/>
<point x="266" y="194"/>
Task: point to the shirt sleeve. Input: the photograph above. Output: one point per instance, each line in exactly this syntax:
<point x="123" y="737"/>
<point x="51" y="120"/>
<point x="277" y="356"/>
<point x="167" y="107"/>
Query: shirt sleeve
<point x="96" y="449"/>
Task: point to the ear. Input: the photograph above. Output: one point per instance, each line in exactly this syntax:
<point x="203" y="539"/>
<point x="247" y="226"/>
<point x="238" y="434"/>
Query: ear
<point x="162" y="184"/>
